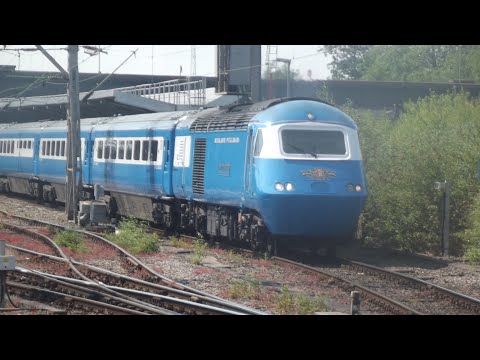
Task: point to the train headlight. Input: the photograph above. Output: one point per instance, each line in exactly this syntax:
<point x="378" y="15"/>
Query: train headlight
<point x="279" y="186"/>
<point x="288" y="186"/>
<point x="350" y="187"/>
<point x="358" y="188"/>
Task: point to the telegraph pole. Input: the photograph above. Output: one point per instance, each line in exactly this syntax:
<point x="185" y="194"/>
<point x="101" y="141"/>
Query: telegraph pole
<point x="73" y="141"/>
<point x="74" y="164"/>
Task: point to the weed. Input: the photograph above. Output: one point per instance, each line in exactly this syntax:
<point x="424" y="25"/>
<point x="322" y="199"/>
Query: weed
<point x="308" y="305"/>
<point x="287" y="303"/>
<point x="133" y="236"/>
<point x="199" y="250"/>
<point x="179" y="243"/>
<point x="244" y="288"/>
<point x="234" y="257"/>
<point x="70" y="239"/>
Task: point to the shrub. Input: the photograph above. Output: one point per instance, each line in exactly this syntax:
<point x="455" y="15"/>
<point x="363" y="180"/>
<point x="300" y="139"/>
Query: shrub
<point x="435" y="139"/>
<point x="472" y="234"/>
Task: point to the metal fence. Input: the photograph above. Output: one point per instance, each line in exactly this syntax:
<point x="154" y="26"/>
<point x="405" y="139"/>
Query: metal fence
<point x="178" y="92"/>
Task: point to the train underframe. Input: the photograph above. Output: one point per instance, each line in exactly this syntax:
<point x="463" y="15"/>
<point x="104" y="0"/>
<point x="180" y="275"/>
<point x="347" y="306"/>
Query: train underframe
<point x="215" y="223"/>
<point x="208" y="221"/>
<point x="42" y="191"/>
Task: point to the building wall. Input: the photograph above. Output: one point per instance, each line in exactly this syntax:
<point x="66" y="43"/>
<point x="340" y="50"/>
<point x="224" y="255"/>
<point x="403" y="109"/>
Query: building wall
<point x="364" y="94"/>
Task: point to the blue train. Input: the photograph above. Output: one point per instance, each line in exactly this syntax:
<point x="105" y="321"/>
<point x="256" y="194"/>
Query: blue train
<point x="279" y="170"/>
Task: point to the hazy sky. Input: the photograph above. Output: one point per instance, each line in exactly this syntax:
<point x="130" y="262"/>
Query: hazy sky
<point x="166" y="59"/>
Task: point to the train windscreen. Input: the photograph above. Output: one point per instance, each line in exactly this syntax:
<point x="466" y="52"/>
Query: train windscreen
<point x="317" y="142"/>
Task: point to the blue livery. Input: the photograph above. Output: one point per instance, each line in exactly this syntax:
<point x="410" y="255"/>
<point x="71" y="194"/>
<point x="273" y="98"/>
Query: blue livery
<point x="280" y="170"/>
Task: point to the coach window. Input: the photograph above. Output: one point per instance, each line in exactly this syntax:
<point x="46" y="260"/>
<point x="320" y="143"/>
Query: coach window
<point x="113" y="151"/>
<point x="1" y="146"/>
<point x="57" y="149"/>
<point x="63" y="148"/>
<point x="19" y="144"/>
<point x="8" y="147"/>
<point x="29" y="144"/>
<point x="100" y="149"/>
<point x="121" y="149"/>
<point x="129" y="150"/>
<point x="145" y="150"/>
<point x="136" y="150"/>
<point x="153" y="150"/>
<point x="53" y="149"/>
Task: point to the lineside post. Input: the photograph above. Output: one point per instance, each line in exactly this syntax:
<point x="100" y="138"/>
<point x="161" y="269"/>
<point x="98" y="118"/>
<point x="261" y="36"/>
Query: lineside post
<point x="6" y="263"/>
<point x="355" y="307"/>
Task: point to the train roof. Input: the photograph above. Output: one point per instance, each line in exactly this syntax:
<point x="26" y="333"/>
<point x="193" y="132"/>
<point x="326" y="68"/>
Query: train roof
<point x="238" y="117"/>
<point x="157" y="120"/>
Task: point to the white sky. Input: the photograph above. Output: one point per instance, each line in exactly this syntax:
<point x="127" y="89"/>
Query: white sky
<point x="166" y="59"/>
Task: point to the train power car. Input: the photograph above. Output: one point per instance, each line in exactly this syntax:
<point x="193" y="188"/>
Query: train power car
<point x="283" y="170"/>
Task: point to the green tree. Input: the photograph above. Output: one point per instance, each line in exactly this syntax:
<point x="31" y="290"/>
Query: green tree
<point x="348" y="60"/>
<point x="439" y="63"/>
<point x="407" y="62"/>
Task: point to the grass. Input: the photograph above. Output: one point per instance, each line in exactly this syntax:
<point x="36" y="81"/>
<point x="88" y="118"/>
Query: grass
<point x="248" y="287"/>
<point x="71" y="240"/>
<point x="288" y="303"/>
<point x="133" y="236"/>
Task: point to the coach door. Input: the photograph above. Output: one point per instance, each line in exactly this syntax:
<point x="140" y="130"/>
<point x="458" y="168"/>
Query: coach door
<point x="167" y="154"/>
<point x="87" y="148"/>
<point x="248" y="162"/>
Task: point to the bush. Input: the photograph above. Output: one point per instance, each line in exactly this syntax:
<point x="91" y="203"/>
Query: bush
<point x="133" y="236"/>
<point x="472" y="234"/>
<point x="435" y="139"/>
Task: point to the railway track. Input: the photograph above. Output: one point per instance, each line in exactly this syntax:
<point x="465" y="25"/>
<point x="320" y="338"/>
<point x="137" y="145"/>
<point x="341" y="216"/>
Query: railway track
<point x="35" y="285"/>
<point x="170" y="294"/>
<point x="158" y="295"/>
<point x="395" y="292"/>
